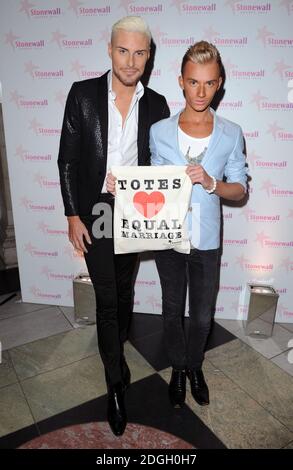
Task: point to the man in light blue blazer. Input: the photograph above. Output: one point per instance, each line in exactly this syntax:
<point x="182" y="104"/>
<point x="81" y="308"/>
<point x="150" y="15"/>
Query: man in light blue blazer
<point x="212" y="147"/>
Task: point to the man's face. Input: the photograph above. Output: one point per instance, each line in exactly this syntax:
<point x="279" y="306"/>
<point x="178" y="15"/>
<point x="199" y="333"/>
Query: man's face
<point x="129" y="52"/>
<point x="200" y="83"/>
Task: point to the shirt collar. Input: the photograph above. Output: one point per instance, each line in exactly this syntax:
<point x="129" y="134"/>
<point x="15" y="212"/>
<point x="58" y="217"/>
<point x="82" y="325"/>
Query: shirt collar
<point x="139" y="90"/>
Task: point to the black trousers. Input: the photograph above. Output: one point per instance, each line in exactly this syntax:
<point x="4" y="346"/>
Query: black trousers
<point x="200" y="270"/>
<point x="112" y="278"/>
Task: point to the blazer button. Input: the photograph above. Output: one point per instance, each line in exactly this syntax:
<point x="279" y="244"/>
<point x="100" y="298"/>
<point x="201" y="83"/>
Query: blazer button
<point x="190" y="209"/>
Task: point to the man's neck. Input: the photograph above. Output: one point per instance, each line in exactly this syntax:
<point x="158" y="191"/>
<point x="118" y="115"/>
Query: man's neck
<point x="190" y="115"/>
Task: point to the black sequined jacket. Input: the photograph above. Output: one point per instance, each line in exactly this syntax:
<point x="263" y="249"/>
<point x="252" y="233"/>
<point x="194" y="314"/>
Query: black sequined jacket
<point x="82" y="156"/>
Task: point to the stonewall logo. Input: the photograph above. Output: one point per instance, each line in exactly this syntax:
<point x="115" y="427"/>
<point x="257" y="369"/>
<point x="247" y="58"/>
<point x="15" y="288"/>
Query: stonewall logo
<point x="279" y="133"/>
<point x="263" y="104"/>
<point x="224" y="264"/>
<point x="14" y="41"/>
<point x="79" y="9"/>
<point x="246" y="265"/>
<point x="28" y="9"/>
<point x="154" y="302"/>
<point x="44" y="182"/>
<point x="211" y="35"/>
<point x="25" y="103"/>
<point x="252" y="216"/>
<point x="183" y="6"/>
<point x="82" y="72"/>
<point x="231" y="105"/>
<point x="38" y="253"/>
<point x="227" y="216"/>
<point x="235" y="242"/>
<point x="230" y="288"/>
<point x="141" y="8"/>
<point x="39" y="130"/>
<point x="285" y="312"/>
<point x="273" y="190"/>
<point x="38" y="294"/>
<point x="31" y="206"/>
<point x="233" y="72"/>
<point x="268" y="38"/>
<point x="265" y="241"/>
<point x="249" y="8"/>
<point x="27" y="156"/>
<point x="176" y="105"/>
<point x="251" y="135"/>
<point x="36" y="72"/>
<point x="48" y="230"/>
<point x="256" y="162"/>
<point x="177" y="41"/>
<point x="239" y="308"/>
<point x="72" y="43"/>
<point x="51" y="276"/>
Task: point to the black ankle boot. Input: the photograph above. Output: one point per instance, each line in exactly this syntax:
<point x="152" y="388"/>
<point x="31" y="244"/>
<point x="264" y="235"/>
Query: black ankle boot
<point x="177" y="388"/>
<point x="199" y="388"/>
<point x="116" y="412"/>
<point x="125" y="373"/>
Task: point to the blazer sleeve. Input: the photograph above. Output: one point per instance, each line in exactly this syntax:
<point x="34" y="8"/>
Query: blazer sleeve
<point x="235" y="169"/>
<point x="155" y="157"/>
<point x="69" y="153"/>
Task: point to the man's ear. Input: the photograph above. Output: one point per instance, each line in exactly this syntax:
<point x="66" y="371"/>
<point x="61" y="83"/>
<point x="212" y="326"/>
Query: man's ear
<point x="110" y="50"/>
<point x="220" y="83"/>
<point x="180" y="81"/>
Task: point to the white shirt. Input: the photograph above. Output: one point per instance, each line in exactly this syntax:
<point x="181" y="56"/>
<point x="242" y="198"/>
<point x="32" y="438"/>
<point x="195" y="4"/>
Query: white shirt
<point x="193" y="146"/>
<point x="122" y="141"/>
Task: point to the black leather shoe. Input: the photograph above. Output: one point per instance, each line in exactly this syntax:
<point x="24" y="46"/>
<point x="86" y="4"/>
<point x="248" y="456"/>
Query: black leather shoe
<point x="116" y="412"/>
<point x="177" y="388"/>
<point x="125" y="373"/>
<point x="199" y="388"/>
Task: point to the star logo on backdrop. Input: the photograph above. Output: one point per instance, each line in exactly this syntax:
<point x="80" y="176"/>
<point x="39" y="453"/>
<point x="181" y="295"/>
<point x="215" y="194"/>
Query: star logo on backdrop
<point x="29" y="248"/>
<point x="241" y="260"/>
<point x="232" y="3"/>
<point x="34" y="125"/>
<point x="26" y="6"/>
<point x="280" y="68"/>
<point x="76" y="67"/>
<point x="25" y="202"/>
<point x="274" y="129"/>
<point x="267" y="186"/>
<point x="158" y="35"/>
<point x="38" y="178"/>
<point x="46" y="271"/>
<point x="105" y="35"/>
<point x="177" y="4"/>
<point x="58" y="37"/>
<point x="286" y="263"/>
<point x="252" y="157"/>
<point x="10" y="38"/>
<point x="125" y="4"/>
<point x="287" y="4"/>
<point x="74" y="5"/>
<point x="264" y="34"/>
<point x="257" y="98"/>
<point x="261" y="238"/>
<point x="247" y="212"/>
<point x="60" y="97"/>
<point x="229" y="66"/>
<point x="15" y="97"/>
<point x="210" y="34"/>
<point x="175" y="67"/>
<point x="43" y="227"/>
<point x="29" y="67"/>
<point x="34" y="290"/>
<point x="20" y="152"/>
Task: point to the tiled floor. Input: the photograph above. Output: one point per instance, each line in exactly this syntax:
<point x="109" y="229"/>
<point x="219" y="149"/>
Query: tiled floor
<point x="52" y="390"/>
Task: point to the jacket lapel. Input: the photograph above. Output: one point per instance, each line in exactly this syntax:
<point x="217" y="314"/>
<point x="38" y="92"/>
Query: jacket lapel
<point x="102" y="117"/>
<point x="215" y="137"/>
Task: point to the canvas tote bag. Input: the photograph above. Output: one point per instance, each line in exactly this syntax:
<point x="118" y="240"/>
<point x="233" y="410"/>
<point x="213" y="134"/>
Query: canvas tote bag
<point x="151" y="207"/>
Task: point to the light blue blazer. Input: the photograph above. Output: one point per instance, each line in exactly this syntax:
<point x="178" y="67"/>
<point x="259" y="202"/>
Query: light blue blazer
<point x="224" y="158"/>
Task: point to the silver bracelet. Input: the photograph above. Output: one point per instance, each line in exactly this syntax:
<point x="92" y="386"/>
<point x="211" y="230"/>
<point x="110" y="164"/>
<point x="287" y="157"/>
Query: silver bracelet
<point x="213" y="188"/>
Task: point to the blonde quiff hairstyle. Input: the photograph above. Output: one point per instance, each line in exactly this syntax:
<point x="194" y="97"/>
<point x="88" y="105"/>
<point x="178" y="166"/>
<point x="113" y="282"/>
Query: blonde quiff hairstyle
<point x="202" y="52"/>
<point x="132" y="24"/>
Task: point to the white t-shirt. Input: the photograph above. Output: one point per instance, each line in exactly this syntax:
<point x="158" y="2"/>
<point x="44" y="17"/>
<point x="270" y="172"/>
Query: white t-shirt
<point x="192" y="146"/>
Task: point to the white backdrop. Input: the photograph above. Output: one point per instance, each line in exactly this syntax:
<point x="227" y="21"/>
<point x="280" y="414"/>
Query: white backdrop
<point x="48" y="44"/>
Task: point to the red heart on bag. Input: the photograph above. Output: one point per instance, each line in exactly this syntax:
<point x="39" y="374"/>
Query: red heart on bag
<point x="148" y="204"/>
